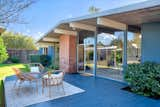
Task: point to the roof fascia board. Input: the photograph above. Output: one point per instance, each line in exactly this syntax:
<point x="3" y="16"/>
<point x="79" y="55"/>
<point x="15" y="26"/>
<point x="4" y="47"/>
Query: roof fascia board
<point x="50" y="39"/>
<point x="63" y="31"/>
<point x="82" y="26"/>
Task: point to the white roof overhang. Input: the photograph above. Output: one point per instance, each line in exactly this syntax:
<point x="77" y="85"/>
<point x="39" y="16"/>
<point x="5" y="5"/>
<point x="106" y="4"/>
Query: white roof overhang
<point x="119" y="18"/>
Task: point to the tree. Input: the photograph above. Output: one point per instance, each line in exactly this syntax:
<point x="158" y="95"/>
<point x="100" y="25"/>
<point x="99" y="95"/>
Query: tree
<point x="137" y="40"/>
<point x="117" y="42"/>
<point x="93" y="9"/>
<point x="3" y="52"/>
<point x="18" y="41"/>
<point x="10" y="10"/>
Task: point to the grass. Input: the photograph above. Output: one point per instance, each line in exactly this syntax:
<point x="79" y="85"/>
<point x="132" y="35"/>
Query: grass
<point x="6" y="70"/>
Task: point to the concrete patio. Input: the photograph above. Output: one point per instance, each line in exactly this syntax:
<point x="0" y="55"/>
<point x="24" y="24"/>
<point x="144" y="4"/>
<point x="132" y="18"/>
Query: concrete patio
<point x="99" y="92"/>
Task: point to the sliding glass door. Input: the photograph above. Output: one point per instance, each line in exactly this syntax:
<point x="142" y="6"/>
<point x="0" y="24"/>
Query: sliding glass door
<point x="85" y="52"/>
<point x="110" y="54"/>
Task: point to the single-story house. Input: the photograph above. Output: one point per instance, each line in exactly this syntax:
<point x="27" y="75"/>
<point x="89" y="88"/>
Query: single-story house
<point x="68" y="35"/>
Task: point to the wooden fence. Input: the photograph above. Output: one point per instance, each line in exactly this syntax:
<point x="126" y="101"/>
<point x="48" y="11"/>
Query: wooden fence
<point x="23" y="55"/>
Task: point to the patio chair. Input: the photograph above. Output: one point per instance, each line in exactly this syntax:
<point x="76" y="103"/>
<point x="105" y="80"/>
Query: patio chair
<point x="22" y="77"/>
<point x="37" y="68"/>
<point x="53" y="80"/>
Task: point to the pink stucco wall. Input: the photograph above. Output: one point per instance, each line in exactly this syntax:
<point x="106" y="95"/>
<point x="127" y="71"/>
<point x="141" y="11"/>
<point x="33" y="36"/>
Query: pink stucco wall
<point x="67" y="53"/>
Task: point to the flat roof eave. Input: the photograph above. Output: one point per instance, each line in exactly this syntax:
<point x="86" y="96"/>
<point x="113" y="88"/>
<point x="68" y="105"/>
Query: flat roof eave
<point x="109" y="13"/>
<point x="128" y="8"/>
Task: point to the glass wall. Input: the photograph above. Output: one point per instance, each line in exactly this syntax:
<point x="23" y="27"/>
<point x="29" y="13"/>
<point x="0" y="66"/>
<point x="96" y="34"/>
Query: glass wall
<point x="133" y="48"/>
<point x="109" y="54"/>
<point x="85" y="52"/>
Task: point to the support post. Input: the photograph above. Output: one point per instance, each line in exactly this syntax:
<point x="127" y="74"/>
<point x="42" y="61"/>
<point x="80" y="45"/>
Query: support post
<point x="77" y="51"/>
<point x="125" y="50"/>
<point x="95" y="53"/>
<point x="84" y="58"/>
<point x="115" y="61"/>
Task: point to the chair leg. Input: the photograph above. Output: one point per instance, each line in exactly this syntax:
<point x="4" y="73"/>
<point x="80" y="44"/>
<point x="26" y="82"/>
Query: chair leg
<point x="15" y="83"/>
<point x="37" y="86"/>
<point x="49" y="88"/>
<point x="56" y="87"/>
<point x="43" y="83"/>
<point x="63" y="89"/>
<point x="19" y="86"/>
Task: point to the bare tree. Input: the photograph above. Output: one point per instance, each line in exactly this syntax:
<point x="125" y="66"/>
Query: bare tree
<point x="10" y="10"/>
<point x="93" y="9"/>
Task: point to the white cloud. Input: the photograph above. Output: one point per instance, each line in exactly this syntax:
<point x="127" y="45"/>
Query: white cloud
<point x="105" y="38"/>
<point x="37" y="35"/>
<point x="40" y="33"/>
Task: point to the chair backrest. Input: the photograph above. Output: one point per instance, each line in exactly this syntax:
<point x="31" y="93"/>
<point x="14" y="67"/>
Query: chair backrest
<point x="41" y="67"/>
<point x="18" y="73"/>
<point x="60" y="77"/>
<point x="35" y="69"/>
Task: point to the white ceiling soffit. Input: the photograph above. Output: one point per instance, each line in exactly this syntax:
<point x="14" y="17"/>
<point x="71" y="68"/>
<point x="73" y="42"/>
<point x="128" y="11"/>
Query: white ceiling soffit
<point x="111" y="23"/>
<point x="50" y="39"/>
<point x="67" y="32"/>
<point x="82" y="26"/>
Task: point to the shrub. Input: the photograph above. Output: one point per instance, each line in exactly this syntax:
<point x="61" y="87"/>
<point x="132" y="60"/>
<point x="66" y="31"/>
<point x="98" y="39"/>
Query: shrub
<point x="55" y="67"/>
<point x="144" y="78"/>
<point x="45" y="60"/>
<point x="35" y="58"/>
<point x="91" y="55"/>
<point x="14" y="59"/>
<point x="3" y="51"/>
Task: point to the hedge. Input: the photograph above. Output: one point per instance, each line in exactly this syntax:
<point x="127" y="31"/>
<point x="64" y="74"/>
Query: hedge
<point x="45" y="60"/>
<point x="144" y="78"/>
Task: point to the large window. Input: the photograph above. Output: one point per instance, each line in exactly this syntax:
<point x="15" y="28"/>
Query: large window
<point x="134" y="48"/>
<point x="85" y="52"/>
<point x="110" y="54"/>
<point x="45" y="51"/>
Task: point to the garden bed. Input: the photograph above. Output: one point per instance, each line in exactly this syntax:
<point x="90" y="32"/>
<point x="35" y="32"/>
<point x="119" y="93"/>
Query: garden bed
<point x="157" y="97"/>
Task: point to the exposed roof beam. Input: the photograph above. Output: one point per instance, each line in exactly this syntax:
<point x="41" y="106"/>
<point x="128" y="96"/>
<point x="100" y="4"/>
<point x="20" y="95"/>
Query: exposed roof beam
<point x="82" y="26"/>
<point x="68" y="32"/>
<point x="111" y="23"/>
<point x="50" y="39"/>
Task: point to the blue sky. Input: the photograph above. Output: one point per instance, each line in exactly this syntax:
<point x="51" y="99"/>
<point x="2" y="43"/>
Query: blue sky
<point x="44" y="14"/>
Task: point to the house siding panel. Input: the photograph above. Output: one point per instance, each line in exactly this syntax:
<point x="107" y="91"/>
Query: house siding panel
<point x="151" y="42"/>
<point x="68" y="53"/>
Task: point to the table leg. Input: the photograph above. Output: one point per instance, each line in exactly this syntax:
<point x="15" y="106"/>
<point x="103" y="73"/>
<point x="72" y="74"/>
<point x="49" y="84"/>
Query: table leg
<point x="43" y="85"/>
<point x="49" y="88"/>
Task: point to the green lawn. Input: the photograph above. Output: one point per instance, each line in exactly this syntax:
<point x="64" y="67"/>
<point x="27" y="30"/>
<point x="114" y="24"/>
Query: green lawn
<point x="6" y="70"/>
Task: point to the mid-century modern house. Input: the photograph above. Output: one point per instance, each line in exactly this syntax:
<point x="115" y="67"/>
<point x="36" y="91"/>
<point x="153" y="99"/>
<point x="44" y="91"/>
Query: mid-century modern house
<point x="104" y="43"/>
